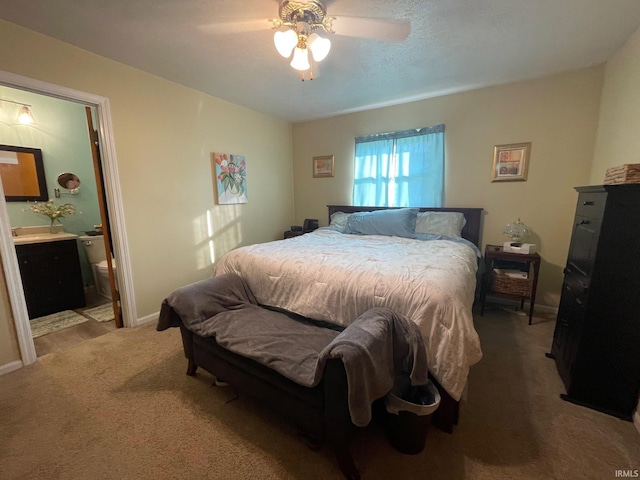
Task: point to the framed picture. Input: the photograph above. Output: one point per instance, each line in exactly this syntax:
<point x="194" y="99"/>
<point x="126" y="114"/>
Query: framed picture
<point x="22" y="174"/>
<point x="230" y="178"/>
<point x="323" y="166"/>
<point x="510" y="162"/>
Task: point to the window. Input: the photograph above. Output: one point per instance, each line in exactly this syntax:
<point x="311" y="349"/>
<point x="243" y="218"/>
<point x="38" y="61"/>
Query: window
<point x="400" y="169"/>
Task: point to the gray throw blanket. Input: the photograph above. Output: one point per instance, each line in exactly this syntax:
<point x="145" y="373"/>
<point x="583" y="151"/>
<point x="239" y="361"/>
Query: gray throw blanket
<point x="381" y="351"/>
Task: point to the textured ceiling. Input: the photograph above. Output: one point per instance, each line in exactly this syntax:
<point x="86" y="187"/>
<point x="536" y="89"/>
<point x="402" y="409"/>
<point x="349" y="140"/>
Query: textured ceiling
<point x="454" y="45"/>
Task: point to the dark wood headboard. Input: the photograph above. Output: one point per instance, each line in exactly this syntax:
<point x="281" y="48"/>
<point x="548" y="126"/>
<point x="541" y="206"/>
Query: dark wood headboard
<point x="471" y="231"/>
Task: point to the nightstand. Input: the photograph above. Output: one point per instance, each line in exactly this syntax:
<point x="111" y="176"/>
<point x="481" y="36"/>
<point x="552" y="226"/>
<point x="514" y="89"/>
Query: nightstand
<point x="290" y="233"/>
<point x="518" y="283"/>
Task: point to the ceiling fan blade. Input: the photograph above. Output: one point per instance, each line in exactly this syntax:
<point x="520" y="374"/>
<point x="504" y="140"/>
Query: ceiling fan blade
<point x="375" y="28"/>
<point x="240" y="26"/>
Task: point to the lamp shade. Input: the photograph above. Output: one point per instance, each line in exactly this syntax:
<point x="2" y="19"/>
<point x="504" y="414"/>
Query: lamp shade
<point x="300" y="59"/>
<point x="517" y="231"/>
<point x="285" y="42"/>
<point x="25" y="117"/>
<point x="319" y="46"/>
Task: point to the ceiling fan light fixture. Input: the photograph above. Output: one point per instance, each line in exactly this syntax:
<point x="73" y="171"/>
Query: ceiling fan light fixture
<point x="285" y="42"/>
<point x="319" y="46"/>
<point x="297" y="22"/>
<point x="300" y="59"/>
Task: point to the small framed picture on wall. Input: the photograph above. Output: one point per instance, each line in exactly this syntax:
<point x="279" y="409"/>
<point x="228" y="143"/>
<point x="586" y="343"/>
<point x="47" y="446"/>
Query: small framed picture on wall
<point x="510" y="162"/>
<point x="323" y="166"/>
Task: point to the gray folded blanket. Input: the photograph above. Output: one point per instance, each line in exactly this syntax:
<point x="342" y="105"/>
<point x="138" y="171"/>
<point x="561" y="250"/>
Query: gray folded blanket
<point x="199" y="301"/>
<point x="381" y="350"/>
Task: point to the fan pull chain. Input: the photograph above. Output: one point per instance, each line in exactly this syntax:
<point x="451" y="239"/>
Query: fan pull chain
<point x="310" y="75"/>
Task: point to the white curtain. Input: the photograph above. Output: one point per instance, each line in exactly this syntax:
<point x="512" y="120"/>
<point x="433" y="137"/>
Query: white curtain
<point x="400" y="169"/>
<point x="371" y="181"/>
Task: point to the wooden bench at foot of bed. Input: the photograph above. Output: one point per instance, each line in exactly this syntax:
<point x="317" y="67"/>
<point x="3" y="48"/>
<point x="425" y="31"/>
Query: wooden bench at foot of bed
<point x="321" y="362"/>
<point x="321" y="413"/>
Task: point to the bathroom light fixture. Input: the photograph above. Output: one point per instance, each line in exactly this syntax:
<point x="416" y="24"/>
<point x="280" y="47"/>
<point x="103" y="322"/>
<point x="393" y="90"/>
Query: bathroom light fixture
<point x="25" y="117"/>
<point x="301" y="20"/>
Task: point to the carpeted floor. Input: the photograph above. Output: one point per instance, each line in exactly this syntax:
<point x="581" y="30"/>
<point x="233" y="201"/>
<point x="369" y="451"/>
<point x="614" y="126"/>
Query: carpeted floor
<point x="121" y="407"/>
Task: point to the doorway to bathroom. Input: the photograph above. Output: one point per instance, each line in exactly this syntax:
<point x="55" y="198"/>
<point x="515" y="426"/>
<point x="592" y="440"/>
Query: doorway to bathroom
<point x="50" y="130"/>
<point x="62" y="272"/>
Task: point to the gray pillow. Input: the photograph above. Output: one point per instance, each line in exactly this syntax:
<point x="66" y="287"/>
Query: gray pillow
<point x="399" y="222"/>
<point x="441" y="223"/>
<point x="339" y="219"/>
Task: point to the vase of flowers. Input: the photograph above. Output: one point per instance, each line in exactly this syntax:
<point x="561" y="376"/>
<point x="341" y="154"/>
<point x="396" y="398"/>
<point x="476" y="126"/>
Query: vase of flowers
<point x="53" y="212"/>
<point x="233" y="174"/>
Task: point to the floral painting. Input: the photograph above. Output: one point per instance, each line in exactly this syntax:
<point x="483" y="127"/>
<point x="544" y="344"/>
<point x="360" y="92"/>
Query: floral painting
<point x="230" y="177"/>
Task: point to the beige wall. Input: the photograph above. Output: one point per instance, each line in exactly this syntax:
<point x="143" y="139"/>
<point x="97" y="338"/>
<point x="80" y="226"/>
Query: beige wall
<point x="618" y="141"/>
<point x="557" y="114"/>
<point x="164" y="133"/>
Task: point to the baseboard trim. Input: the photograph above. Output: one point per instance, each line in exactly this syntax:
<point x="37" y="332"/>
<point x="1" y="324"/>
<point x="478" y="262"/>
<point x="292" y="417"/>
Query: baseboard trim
<point x="498" y="300"/>
<point x="10" y="367"/>
<point x="545" y="309"/>
<point x="149" y="318"/>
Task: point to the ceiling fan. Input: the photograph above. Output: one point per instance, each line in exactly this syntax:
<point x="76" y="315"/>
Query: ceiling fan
<point x="296" y="28"/>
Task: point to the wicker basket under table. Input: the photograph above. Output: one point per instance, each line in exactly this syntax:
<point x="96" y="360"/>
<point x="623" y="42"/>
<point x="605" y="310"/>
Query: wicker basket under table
<point x="505" y="284"/>
<point x="496" y="280"/>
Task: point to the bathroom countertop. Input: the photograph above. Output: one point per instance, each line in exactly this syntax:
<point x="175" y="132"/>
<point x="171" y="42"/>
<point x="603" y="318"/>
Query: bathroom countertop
<point x="43" y="237"/>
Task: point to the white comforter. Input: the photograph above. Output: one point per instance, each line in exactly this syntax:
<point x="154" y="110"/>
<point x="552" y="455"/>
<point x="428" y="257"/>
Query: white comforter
<point x="330" y="276"/>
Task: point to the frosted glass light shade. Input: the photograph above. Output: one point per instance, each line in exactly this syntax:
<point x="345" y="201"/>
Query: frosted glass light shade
<point x="319" y="46"/>
<point x="517" y="231"/>
<point x="25" y="117"/>
<point x="300" y="59"/>
<point x="285" y="42"/>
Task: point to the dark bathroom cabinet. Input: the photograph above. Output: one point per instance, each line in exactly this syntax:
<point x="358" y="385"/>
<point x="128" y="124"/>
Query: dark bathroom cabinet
<point x="596" y="343"/>
<point x="51" y="277"/>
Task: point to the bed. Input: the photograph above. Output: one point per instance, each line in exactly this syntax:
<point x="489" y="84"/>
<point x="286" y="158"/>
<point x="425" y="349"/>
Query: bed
<point x="333" y="276"/>
<point x="324" y="380"/>
<point x="285" y="288"/>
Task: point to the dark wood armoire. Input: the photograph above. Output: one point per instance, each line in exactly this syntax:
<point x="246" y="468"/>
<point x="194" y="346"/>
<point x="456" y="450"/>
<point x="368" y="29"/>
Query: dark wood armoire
<point x="596" y="343"/>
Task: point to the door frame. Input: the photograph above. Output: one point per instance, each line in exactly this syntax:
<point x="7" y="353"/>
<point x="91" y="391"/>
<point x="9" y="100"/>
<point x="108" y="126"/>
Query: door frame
<point x="114" y="204"/>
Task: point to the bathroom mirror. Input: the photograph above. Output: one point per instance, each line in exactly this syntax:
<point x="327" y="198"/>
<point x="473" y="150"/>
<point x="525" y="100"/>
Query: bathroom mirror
<point x="69" y="181"/>
<point x="22" y="174"/>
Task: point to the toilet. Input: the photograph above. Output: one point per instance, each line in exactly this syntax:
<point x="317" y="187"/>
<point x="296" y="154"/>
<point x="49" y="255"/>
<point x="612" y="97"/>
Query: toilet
<point x="96" y="254"/>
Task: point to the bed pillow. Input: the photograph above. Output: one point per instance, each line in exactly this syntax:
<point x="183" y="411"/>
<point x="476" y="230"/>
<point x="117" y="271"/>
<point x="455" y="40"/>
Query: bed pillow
<point x="399" y="222"/>
<point x="441" y="223"/>
<point x="339" y="219"/>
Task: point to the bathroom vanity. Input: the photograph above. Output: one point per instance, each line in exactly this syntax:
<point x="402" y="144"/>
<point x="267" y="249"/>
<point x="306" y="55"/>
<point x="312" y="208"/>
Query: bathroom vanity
<point x="51" y="274"/>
